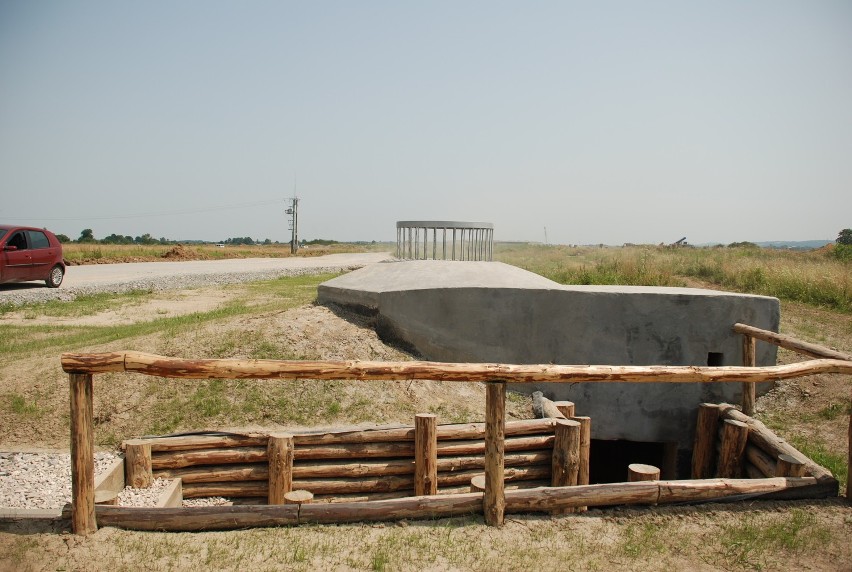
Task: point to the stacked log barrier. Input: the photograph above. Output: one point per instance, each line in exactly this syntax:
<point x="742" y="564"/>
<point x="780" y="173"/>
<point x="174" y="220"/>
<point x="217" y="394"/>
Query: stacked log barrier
<point x="768" y="456"/>
<point x="340" y="465"/>
<point x="81" y="367"/>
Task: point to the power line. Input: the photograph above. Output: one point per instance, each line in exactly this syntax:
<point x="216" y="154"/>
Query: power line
<point x="150" y="214"/>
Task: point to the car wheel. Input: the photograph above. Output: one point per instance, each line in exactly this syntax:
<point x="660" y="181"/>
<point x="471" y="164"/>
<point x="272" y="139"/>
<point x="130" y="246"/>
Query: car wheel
<point x="55" y="277"/>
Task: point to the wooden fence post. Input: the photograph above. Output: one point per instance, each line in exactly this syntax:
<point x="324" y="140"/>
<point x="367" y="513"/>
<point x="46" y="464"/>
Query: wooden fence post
<point x="565" y="461"/>
<point x="566" y="408"/>
<point x="425" y="454"/>
<point x="734" y="438"/>
<point x="749" y="360"/>
<point x="137" y="464"/>
<point x="494" y="499"/>
<point x="704" y="445"/>
<point x="82" y="455"/>
<point x="279" y="450"/>
<point x="585" y="452"/>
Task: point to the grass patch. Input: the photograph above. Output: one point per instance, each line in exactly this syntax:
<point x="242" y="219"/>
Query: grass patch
<point x="753" y="543"/>
<point x="19" y="405"/>
<point x="813" y="278"/>
<point x="278" y="294"/>
<point x="817" y="452"/>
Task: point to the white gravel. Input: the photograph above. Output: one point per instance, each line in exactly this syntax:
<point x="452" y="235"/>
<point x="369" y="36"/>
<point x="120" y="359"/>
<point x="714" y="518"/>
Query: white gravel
<point x="40" y="480"/>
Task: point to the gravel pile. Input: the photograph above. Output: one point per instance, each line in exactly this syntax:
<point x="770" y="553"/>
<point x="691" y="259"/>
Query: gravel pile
<point x="173" y="282"/>
<point x="40" y="480"/>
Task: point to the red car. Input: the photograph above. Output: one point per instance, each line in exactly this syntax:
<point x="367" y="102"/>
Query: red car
<point x="28" y="253"/>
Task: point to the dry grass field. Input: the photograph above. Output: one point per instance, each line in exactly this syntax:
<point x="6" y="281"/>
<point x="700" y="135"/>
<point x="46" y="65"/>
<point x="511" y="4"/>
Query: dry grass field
<point x="278" y="319"/>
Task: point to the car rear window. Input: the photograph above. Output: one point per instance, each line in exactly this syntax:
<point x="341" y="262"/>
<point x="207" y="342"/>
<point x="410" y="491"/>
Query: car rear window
<point x="38" y="239"/>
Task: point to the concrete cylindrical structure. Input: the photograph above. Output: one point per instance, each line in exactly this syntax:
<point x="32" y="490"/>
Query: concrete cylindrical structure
<point x="444" y="240"/>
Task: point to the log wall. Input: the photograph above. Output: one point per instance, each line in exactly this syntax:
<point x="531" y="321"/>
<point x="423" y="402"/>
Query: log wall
<point x="335" y="466"/>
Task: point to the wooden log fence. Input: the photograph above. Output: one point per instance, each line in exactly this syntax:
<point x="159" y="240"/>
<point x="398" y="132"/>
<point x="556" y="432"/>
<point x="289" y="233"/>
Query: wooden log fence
<point x="497" y="436"/>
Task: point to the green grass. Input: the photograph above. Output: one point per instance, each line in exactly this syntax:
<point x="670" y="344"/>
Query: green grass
<point x="813" y="278"/>
<point x="19" y="405"/>
<point x="20" y="340"/>
<point x="752" y="544"/>
<point x="817" y="451"/>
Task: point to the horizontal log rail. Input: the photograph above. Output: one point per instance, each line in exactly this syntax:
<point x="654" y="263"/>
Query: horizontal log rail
<point x="151" y="364"/>
<point x="791" y="343"/>
<point x="542" y="499"/>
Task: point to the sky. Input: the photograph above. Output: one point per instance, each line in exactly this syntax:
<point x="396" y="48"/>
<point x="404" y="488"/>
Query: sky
<point x="593" y="122"/>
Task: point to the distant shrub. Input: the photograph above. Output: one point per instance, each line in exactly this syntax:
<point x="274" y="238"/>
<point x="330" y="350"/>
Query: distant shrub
<point x="842" y="252"/>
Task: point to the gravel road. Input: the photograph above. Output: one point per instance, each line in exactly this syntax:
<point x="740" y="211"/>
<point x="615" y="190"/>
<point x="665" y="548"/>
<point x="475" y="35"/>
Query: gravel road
<point x="124" y="277"/>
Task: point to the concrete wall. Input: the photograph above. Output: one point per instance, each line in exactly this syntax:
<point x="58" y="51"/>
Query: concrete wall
<point x="448" y="312"/>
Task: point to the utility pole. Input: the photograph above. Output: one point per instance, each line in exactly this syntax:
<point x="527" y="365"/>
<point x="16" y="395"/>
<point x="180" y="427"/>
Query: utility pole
<point x="293" y="211"/>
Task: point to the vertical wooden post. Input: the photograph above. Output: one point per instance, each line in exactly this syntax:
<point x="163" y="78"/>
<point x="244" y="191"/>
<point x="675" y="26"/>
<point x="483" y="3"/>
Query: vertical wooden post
<point x="734" y="438"/>
<point x="749" y="360"/>
<point x="566" y="408"/>
<point x="704" y="445"/>
<point x="789" y="466"/>
<point x="494" y="500"/>
<point x="137" y="464"/>
<point x="585" y="452"/>
<point x="639" y="472"/>
<point x="279" y="450"/>
<point x="82" y="455"/>
<point x="565" y="461"/>
<point x="425" y="454"/>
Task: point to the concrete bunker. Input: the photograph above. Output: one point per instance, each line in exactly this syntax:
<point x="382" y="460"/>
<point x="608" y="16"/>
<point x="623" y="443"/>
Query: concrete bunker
<point x="491" y="312"/>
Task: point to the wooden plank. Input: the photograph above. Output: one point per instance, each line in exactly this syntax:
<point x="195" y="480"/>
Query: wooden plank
<point x="172" y="497"/>
<point x="198" y="519"/>
<point x="83" y="516"/>
<point x="110" y="482"/>
<point x="180" y="459"/>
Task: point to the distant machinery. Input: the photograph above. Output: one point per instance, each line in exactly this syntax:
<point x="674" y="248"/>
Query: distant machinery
<point x="681" y="242"/>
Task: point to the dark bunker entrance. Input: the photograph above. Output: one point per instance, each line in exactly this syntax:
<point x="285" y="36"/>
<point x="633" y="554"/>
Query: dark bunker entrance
<point x="609" y="459"/>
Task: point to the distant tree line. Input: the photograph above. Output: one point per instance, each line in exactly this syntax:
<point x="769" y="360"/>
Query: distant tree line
<point x="87" y="236"/>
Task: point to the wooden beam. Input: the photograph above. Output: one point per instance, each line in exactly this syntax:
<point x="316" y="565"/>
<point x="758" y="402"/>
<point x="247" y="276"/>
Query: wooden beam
<point x="83" y="518"/>
<point x="763" y="437"/>
<point x="704" y="448"/>
<point x="585" y="451"/>
<point x="791" y="343"/>
<point x="425" y="454"/>
<point x="734" y="438"/>
<point x="494" y="500"/>
<point x="749" y="360"/>
<point x="137" y="464"/>
<point x="280" y="462"/>
<point x="565" y="466"/>
<point x="369" y="370"/>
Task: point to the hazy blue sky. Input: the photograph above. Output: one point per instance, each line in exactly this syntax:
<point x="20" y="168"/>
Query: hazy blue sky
<point x="605" y="121"/>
